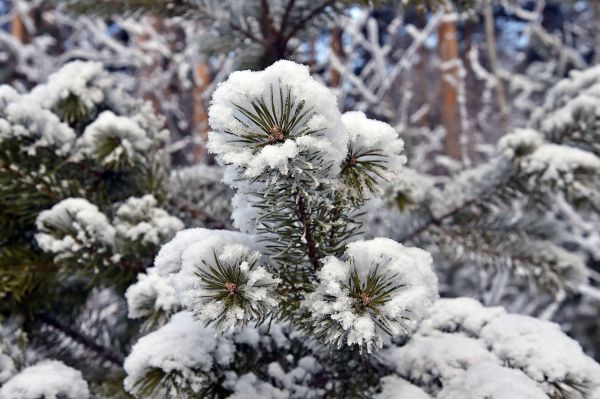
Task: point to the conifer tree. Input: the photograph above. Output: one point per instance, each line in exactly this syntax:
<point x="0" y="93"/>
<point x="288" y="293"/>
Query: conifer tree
<point x="297" y="298"/>
<point x="83" y="181"/>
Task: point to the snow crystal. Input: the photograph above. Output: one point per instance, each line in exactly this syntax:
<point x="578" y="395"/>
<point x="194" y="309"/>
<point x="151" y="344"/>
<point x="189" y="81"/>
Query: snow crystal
<point x="7" y="367"/>
<point x="183" y="348"/>
<point x="151" y="292"/>
<point x="7" y="95"/>
<point x="488" y="380"/>
<point x="258" y="285"/>
<point x="48" y="379"/>
<point x="297" y="380"/>
<point x="248" y="386"/>
<point x="139" y="219"/>
<point x="72" y="225"/>
<point x="408" y="268"/>
<point x="228" y="122"/>
<point x="200" y="241"/>
<point x="108" y="128"/>
<point x="77" y="78"/>
<point x="38" y="128"/>
<point x="559" y="164"/>
<point x="520" y="142"/>
<point x="541" y="350"/>
<point x="394" y="387"/>
<point x="374" y="141"/>
<point x="464" y="315"/>
<point x="430" y="361"/>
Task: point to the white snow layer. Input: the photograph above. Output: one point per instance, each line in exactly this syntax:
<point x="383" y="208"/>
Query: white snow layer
<point x="329" y="138"/>
<point x="81" y="225"/>
<point x="48" y="379"/>
<point x="375" y="141"/>
<point x="77" y="78"/>
<point x="183" y="348"/>
<point x="139" y="219"/>
<point x="394" y="387"/>
<point x="35" y="127"/>
<point x="465" y="350"/>
<point x="488" y="380"/>
<point x="409" y="268"/>
<point x="132" y="139"/>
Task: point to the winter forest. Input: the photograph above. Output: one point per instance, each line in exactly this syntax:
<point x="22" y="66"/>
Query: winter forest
<point x="290" y="199"/>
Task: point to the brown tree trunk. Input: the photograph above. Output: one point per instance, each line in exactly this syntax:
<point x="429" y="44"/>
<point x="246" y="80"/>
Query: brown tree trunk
<point x="203" y="80"/>
<point x="448" y="42"/>
<point x="596" y="22"/>
<point x="337" y="48"/>
<point x="17" y="29"/>
<point x="423" y="70"/>
<point x="493" y="57"/>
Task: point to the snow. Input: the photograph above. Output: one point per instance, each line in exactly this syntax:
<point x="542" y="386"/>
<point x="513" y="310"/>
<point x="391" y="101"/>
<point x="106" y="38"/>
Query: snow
<point x="7" y="367"/>
<point x="488" y="380"/>
<point x="241" y="86"/>
<point x="194" y="250"/>
<point x="541" y="350"/>
<point x="72" y="225"/>
<point x="183" y="348"/>
<point x="430" y="361"/>
<point x="7" y="95"/>
<point x="464" y="315"/>
<point x="520" y="142"/>
<point x="298" y="380"/>
<point x="559" y="164"/>
<point x="48" y="379"/>
<point x="152" y="292"/>
<point x="394" y="387"/>
<point x="197" y="241"/>
<point x="248" y="386"/>
<point x="406" y="267"/>
<point x="368" y="136"/>
<point x="35" y="128"/>
<point x="131" y="138"/>
<point x="78" y="78"/>
<point x="141" y="220"/>
<point x="258" y="287"/>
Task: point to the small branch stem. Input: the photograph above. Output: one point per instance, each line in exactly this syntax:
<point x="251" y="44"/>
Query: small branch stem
<point x="86" y="341"/>
<point x="308" y="234"/>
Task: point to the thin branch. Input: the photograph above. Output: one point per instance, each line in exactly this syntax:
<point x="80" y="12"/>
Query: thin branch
<point x="84" y="340"/>
<point x="286" y="14"/>
<point x="308" y="234"/>
<point x="306" y="19"/>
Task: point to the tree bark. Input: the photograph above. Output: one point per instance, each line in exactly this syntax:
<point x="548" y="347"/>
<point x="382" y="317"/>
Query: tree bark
<point x="423" y="69"/>
<point x="18" y="30"/>
<point x="448" y="49"/>
<point x="337" y="48"/>
<point x="490" y="35"/>
<point x="202" y="79"/>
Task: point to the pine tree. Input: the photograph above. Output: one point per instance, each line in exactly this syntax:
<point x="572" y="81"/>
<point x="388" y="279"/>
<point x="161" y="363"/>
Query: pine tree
<point x="287" y="306"/>
<point x="83" y="178"/>
<point x="297" y="297"/>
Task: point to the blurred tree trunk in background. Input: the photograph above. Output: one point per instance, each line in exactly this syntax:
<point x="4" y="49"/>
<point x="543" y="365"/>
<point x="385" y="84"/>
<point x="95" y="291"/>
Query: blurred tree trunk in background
<point x="490" y="35"/>
<point x="18" y="30"/>
<point x="448" y="49"/>
<point x="203" y="79"/>
<point x="423" y="70"/>
<point x="597" y="31"/>
<point x="337" y="46"/>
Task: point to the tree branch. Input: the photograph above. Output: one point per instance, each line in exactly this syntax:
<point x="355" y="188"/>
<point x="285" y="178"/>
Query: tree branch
<point x="308" y="234"/>
<point x="307" y="18"/>
<point x="104" y="353"/>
